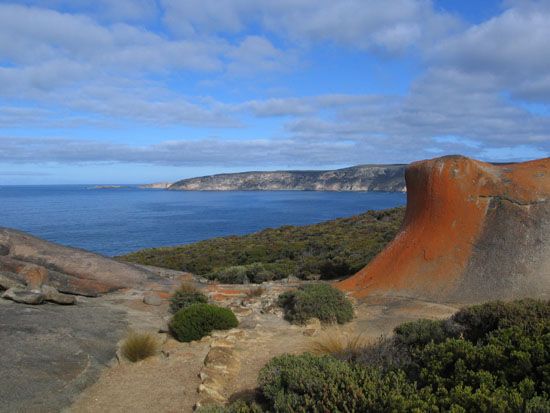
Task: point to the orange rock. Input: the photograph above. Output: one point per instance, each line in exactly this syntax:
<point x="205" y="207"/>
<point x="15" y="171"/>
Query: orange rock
<point x="35" y="276"/>
<point x="458" y="211"/>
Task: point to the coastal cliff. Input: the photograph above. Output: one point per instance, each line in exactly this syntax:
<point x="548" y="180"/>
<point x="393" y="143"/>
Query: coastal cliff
<point x="473" y="231"/>
<point x="388" y="178"/>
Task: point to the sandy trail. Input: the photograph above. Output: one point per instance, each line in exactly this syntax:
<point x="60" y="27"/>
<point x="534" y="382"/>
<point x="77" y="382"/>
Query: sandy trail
<point x="169" y="382"/>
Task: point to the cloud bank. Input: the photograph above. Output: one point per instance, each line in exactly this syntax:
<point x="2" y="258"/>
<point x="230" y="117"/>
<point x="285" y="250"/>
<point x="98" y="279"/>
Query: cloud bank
<point x="482" y="89"/>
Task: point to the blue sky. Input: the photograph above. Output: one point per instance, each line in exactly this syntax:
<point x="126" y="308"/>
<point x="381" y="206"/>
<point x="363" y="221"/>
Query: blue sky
<point x="98" y="91"/>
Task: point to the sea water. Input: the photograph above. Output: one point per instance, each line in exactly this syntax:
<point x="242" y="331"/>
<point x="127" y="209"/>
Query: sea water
<point x="120" y="220"/>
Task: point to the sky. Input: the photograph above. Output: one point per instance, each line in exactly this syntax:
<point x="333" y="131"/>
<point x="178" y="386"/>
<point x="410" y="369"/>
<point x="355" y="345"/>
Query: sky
<point x="136" y="91"/>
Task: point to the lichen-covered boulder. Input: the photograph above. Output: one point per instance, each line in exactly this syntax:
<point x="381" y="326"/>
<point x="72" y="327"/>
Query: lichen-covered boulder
<point x="473" y="231"/>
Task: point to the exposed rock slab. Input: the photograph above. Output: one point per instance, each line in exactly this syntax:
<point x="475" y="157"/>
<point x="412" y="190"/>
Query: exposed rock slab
<point x="50" y="353"/>
<point x="70" y="270"/>
<point x="23" y="296"/>
<point x="473" y="231"/>
<point x="9" y="280"/>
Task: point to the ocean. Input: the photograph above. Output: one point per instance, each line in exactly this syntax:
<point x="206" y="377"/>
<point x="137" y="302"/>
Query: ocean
<point x="116" y="221"/>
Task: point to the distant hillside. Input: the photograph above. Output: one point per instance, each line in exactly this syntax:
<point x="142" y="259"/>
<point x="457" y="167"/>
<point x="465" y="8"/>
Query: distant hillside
<point x="158" y="185"/>
<point x="390" y="178"/>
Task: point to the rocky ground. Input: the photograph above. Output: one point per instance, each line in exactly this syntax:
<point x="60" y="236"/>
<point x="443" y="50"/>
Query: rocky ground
<point x="226" y="364"/>
<point x="64" y="357"/>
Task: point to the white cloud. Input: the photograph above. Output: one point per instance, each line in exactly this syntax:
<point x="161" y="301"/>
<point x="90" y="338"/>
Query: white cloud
<point x="85" y="66"/>
<point x="512" y="48"/>
<point x="365" y="24"/>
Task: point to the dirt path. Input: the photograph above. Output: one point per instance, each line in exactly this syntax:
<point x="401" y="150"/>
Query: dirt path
<point x="158" y="384"/>
<point x="226" y="364"/>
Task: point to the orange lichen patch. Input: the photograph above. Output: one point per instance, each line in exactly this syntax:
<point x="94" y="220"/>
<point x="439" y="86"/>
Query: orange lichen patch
<point x="162" y="294"/>
<point x="166" y="286"/>
<point x="35" y="276"/>
<point x="219" y="297"/>
<point x="221" y="293"/>
<point x="527" y="182"/>
<point x="222" y="289"/>
<point x="447" y="202"/>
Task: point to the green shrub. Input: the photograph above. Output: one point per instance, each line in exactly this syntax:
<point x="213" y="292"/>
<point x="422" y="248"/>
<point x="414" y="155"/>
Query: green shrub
<point x="421" y="332"/>
<point x="139" y="346"/>
<point x="501" y="365"/>
<point x="308" y="383"/>
<point x="337" y="248"/>
<point x="385" y="354"/>
<point x="198" y="320"/>
<point x="480" y="320"/>
<point x="244" y="274"/>
<point x="502" y="375"/>
<point x="316" y="300"/>
<point x="185" y="296"/>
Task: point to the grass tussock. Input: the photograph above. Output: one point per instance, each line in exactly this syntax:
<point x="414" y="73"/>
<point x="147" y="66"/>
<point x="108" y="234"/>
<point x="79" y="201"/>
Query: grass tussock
<point x="339" y="344"/>
<point x="139" y="346"/>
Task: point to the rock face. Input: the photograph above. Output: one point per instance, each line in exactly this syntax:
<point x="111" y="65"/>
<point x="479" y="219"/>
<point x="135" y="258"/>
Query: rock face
<point x="388" y="178"/>
<point x="23" y="296"/>
<point x="35" y="262"/>
<point x="51" y="353"/>
<point x="473" y="231"/>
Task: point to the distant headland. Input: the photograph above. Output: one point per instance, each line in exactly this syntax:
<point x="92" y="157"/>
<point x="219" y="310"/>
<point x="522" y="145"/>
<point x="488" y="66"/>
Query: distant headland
<point x="383" y="178"/>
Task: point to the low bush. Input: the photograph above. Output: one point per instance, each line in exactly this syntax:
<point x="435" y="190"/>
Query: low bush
<point x="321" y="301"/>
<point x="199" y="320"/>
<point x="386" y="354"/>
<point x="244" y="274"/>
<point x="479" y="320"/>
<point x="184" y="296"/>
<point x="489" y="358"/>
<point x="421" y="332"/>
<point x="139" y="346"/>
<point x="308" y="383"/>
<point x="503" y="374"/>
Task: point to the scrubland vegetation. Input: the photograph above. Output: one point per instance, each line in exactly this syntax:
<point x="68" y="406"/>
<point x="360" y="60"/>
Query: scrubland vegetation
<point x="320" y="301"/>
<point x="185" y="296"/>
<point x="493" y="357"/>
<point x="327" y="250"/>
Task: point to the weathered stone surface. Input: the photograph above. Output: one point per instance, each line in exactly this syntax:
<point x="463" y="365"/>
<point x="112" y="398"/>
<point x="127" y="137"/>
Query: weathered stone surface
<point x="20" y="295"/>
<point x="54" y="296"/>
<point x="473" y="231"/>
<point x="68" y="269"/>
<point x="9" y="280"/>
<point x="50" y="353"/>
<point x="152" y="299"/>
<point x="221" y="366"/>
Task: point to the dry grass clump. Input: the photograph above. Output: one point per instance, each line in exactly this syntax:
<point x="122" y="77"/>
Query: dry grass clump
<point x="255" y="292"/>
<point x="139" y="346"/>
<point x="340" y="345"/>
